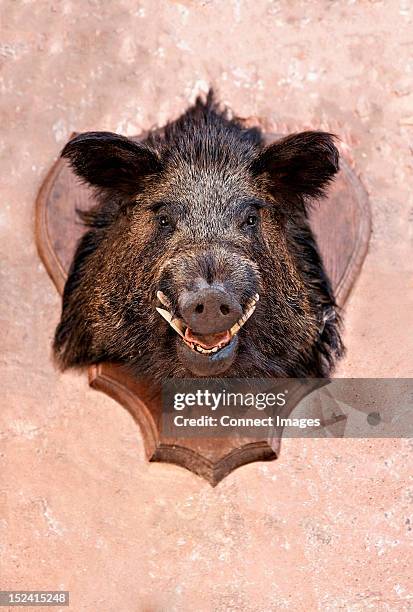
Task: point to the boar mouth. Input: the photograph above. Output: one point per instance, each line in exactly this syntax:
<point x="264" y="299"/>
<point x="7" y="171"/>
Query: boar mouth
<point x="205" y="343"/>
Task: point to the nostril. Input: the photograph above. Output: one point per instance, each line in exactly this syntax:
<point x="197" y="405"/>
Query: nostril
<point x="209" y="310"/>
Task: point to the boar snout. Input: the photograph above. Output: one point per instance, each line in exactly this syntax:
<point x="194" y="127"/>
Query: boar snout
<point x="207" y="297"/>
<point x="209" y="310"/>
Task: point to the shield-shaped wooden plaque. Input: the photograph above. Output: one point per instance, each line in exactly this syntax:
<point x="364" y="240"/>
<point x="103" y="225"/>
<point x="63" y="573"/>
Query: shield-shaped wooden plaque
<point x="342" y="226"/>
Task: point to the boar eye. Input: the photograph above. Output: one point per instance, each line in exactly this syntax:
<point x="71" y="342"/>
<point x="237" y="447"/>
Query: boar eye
<point x="251" y="220"/>
<point x="164" y="221"/>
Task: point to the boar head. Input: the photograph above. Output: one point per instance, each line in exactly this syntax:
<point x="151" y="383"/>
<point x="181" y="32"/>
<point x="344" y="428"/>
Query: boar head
<point x="199" y="259"/>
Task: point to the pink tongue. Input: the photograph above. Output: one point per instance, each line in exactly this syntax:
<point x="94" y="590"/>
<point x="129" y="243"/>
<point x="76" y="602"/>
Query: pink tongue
<point x="207" y="341"/>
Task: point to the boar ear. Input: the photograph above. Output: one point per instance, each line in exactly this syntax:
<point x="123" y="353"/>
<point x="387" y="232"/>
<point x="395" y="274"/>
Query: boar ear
<point x="300" y="164"/>
<point x="110" y="161"/>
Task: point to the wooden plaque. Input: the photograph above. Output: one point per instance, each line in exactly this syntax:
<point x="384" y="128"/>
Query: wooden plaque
<point x="342" y="226"/>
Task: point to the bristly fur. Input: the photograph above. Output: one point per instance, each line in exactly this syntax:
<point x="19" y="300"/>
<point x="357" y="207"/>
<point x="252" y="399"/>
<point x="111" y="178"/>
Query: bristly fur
<point x="205" y="171"/>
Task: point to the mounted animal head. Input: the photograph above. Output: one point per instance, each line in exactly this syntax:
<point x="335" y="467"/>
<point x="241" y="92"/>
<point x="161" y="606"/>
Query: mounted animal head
<point x="199" y="259"/>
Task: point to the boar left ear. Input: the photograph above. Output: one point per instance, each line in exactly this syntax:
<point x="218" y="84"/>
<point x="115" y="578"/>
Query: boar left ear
<point x="110" y="161"/>
<point x="300" y="164"/>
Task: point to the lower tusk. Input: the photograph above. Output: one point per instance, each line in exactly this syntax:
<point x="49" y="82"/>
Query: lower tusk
<point x="250" y="307"/>
<point x="174" y="323"/>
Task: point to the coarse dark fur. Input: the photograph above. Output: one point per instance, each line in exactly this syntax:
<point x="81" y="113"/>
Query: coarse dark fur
<point x="178" y="207"/>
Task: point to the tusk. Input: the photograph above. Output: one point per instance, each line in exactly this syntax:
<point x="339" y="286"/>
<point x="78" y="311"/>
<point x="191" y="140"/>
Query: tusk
<point x="174" y="323"/>
<point x="163" y="299"/>
<point x="252" y="302"/>
<point x="165" y="314"/>
<point x="234" y="329"/>
<point x="237" y="326"/>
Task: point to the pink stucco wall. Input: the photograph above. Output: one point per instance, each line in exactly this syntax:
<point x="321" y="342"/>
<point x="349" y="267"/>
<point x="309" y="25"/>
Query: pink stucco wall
<point x="329" y="525"/>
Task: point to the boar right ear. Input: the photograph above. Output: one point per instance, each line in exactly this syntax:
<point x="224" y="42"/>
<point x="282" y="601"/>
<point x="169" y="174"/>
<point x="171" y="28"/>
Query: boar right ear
<point x="300" y="164"/>
<point x="110" y="161"/>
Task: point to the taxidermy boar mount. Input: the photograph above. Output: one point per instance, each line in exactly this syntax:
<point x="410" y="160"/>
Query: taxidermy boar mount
<point x="202" y="252"/>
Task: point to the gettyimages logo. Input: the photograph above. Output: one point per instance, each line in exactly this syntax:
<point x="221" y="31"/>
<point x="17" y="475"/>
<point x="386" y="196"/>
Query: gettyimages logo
<point x="237" y="410"/>
<point x="263" y="408"/>
<point x="247" y="407"/>
<point x="224" y="398"/>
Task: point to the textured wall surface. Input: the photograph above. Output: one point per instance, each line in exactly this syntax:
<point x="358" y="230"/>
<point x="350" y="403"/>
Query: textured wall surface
<point x="329" y="525"/>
